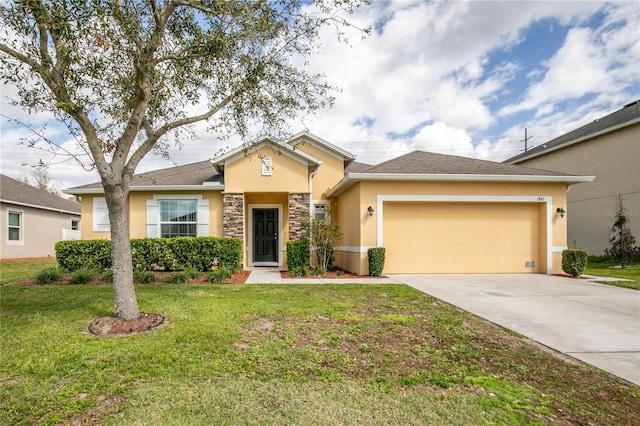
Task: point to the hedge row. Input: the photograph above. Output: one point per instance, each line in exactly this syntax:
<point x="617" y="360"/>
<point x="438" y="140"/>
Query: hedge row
<point x="168" y="254"/>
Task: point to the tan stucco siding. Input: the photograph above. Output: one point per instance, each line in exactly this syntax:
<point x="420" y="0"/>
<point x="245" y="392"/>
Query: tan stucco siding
<point x="354" y="204"/>
<point x="40" y="231"/>
<point x="614" y="159"/>
<point x="331" y="171"/>
<point x="138" y="213"/>
<point x="245" y="174"/>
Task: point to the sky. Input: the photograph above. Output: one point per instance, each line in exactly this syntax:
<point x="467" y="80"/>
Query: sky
<point x="459" y="78"/>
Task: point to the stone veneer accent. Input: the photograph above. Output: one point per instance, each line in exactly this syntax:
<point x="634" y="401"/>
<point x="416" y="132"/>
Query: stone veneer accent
<point x="298" y="204"/>
<point x="233" y="215"/>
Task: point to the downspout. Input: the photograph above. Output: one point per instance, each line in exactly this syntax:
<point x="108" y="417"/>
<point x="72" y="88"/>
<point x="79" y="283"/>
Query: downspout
<point x="311" y="206"/>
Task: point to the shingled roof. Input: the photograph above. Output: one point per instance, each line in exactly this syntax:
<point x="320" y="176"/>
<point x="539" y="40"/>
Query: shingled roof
<point x="429" y="163"/>
<point x="13" y="191"/>
<point x="189" y="175"/>
<point x="628" y="115"/>
<point x="429" y="166"/>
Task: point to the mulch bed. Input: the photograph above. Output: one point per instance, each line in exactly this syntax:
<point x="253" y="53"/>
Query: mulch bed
<point x="112" y="326"/>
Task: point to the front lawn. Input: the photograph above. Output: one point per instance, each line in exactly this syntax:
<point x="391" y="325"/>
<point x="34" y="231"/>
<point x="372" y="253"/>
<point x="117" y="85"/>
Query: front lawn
<point x="22" y="269"/>
<point x="286" y="355"/>
<point x="602" y="267"/>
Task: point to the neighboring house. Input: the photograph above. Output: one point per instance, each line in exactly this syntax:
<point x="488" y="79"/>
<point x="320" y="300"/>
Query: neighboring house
<point x="433" y="213"/>
<point x="609" y="149"/>
<point x="33" y="220"/>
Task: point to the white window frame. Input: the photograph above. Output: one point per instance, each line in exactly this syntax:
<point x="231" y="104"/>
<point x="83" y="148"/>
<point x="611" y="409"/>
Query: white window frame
<point x="325" y="206"/>
<point x="20" y="240"/>
<point x="101" y="221"/>
<point x="190" y="222"/>
<point x="153" y="213"/>
<point x="74" y="219"/>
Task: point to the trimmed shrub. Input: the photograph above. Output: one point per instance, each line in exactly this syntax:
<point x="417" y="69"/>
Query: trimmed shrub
<point x="82" y="276"/>
<point x="220" y="274"/>
<point x="176" y="278"/>
<point x="376" y="261"/>
<point x="83" y="254"/>
<point x="48" y="276"/>
<point x="297" y="254"/>
<point x="169" y="254"/>
<point x="144" y="277"/>
<point x="574" y="262"/>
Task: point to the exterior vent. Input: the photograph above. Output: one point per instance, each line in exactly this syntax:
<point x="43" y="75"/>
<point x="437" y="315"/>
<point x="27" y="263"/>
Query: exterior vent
<point x="529" y="264"/>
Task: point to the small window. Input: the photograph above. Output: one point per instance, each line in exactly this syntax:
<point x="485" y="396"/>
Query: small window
<point x="320" y="211"/>
<point x="14" y="233"/>
<point x="178" y="218"/>
<point x="75" y="225"/>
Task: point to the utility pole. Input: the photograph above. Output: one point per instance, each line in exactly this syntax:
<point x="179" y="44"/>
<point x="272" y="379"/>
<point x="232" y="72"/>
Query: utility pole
<point x="526" y="139"/>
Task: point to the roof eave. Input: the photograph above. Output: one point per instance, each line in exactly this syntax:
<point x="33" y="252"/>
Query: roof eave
<point x="153" y="188"/>
<point x="573" y="141"/>
<point x="352" y="178"/>
<point x="347" y="156"/>
<point x="35" y="206"/>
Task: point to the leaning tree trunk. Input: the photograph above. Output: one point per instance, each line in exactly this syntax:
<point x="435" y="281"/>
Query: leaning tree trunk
<point x="125" y="296"/>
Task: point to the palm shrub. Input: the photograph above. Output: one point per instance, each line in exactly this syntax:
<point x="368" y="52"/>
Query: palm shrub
<point x="574" y="262"/>
<point x="48" y="276"/>
<point x="220" y="274"/>
<point x="82" y="276"/>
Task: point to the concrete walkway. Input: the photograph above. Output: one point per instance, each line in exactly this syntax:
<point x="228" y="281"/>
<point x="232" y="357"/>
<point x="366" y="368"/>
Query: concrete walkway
<point x="595" y="323"/>
<point x="272" y="276"/>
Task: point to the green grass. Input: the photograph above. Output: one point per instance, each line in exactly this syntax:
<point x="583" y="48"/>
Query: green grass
<point x="286" y="355"/>
<point x="18" y="270"/>
<point x="601" y="267"/>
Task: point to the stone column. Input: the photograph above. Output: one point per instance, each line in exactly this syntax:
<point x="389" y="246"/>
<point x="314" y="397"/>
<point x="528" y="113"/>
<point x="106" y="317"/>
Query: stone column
<point x="298" y="204"/>
<point x="233" y="215"/>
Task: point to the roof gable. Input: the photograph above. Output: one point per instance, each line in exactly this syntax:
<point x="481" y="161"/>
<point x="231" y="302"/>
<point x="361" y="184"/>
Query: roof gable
<point x="628" y="115"/>
<point x="323" y="145"/>
<point x="243" y="150"/>
<point x="16" y="192"/>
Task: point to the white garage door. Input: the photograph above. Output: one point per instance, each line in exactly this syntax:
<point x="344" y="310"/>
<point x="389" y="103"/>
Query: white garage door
<point x="461" y="237"/>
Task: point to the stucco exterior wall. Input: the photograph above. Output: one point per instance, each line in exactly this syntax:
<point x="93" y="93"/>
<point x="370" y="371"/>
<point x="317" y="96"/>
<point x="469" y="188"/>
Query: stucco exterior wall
<point x="353" y="205"/>
<point x="41" y="230"/>
<point x="138" y="213"/>
<point x="330" y="173"/>
<point x="614" y="159"/>
<point x="245" y="174"/>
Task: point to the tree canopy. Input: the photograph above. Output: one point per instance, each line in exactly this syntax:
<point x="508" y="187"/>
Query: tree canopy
<point x="125" y="75"/>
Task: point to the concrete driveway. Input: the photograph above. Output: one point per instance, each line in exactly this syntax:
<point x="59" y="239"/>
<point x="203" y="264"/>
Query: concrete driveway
<point x="595" y="323"/>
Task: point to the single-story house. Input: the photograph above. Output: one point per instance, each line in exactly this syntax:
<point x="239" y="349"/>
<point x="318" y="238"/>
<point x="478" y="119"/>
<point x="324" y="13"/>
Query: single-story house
<point x="33" y="220"/>
<point x="433" y="213"/>
<point x="608" y="148"/>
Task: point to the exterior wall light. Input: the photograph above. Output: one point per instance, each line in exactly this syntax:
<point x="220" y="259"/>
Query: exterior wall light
<point x="370" y="210"/>
<point x="561" y="211"/>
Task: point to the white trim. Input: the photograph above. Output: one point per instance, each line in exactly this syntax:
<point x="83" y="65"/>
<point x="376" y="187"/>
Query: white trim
<point x="354" y="249"/>
<point x="352" y="178"/>
<point x="473" y="199"/>
<point x="558" y="249"/>
<point x="243" y="150"/>
<point x="281" y="249"/>
<point x="153" y="213"/>
<point x="321" y="144"/>
<point x="20" y="240"/>
<point x="206" y="186"/>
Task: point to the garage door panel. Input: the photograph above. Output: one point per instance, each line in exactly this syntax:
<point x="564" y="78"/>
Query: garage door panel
<point x="461" y="237"/>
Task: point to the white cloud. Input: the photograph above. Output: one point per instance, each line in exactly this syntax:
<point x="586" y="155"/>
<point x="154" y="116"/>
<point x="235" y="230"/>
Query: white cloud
<point x="426" y="77"/>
